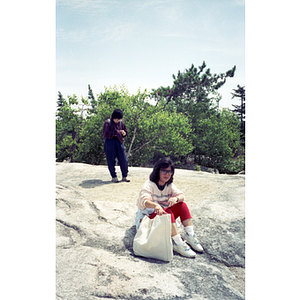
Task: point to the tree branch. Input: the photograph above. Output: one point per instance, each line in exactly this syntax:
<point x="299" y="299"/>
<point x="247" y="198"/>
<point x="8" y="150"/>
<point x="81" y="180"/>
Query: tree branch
<point x="138" y="149"/>
<point x="131" y="143"/>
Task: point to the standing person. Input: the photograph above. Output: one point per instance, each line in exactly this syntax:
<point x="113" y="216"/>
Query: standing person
<point x="114" y="131"/>
<point x="160" y="196"/>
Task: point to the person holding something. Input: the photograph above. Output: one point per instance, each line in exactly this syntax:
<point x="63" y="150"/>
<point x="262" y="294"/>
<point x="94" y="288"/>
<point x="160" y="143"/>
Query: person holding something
<point x="114" y="131"/>
<point x="160" y="196"/>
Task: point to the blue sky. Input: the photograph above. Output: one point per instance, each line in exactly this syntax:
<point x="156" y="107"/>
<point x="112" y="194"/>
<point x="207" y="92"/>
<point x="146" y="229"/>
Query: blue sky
<point x="141" y="43"/>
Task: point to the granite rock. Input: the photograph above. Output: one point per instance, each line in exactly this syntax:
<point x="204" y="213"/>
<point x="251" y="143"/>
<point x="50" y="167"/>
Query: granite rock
<point x="95" y="231"/>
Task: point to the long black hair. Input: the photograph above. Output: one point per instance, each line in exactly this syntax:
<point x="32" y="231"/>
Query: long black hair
<point x="117" y="114"/>
<point x="162" y="163"/>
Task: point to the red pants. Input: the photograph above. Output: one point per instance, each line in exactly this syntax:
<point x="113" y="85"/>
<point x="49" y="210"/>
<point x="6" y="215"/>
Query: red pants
<point x="180" y="209"/>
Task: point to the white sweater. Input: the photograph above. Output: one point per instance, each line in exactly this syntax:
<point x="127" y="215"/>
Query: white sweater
<point x="151" y="192"/>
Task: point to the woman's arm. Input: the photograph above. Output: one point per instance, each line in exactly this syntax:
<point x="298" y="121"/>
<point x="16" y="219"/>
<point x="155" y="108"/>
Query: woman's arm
<point x="180" y="198"/>
<point x="124" y="129"/>
<point x="146" y="194"/>
<point x="177" y="196"/>
<point x="158" y="209"/>
<point x="108" y="130"/>
<point x="176" y="199"/>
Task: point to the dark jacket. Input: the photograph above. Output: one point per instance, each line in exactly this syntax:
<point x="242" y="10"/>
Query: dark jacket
<point x="112" y="130"/>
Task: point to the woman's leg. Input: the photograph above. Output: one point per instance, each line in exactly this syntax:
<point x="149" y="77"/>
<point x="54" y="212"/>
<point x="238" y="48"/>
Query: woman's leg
<point x="122" y="158"/>
<point x="187" y="222"/>
<point x="174" y="229"/>
<point x="181" y="210"/>
<point x="111" y="153"/>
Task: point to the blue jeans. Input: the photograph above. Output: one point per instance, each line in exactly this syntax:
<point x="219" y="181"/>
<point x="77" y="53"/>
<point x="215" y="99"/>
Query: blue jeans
<point x="115" y="149"/>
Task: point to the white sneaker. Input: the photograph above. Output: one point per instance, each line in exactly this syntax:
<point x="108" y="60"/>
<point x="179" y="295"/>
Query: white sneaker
<point x="184" y="250"/>
<point x="193" y="242"/>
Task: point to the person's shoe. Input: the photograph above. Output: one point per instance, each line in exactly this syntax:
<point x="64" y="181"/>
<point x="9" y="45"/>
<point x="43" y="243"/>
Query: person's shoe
<point x="193" y="242"/>
<point x="125" y="179"/>
<point x="115" y="179"/>
<point x="184" y="250"/>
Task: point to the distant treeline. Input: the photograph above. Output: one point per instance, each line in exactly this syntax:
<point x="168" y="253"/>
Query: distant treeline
<point x="183" y="121"/>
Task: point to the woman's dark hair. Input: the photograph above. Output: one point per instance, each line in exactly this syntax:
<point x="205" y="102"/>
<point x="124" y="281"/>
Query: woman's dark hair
<point x="117" y="114"/>
<point x="162" y="163"/>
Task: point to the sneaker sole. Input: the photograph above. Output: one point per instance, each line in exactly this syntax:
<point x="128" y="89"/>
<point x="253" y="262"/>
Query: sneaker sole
<point x="192" y="256"/>
<point x="185" y="255"/>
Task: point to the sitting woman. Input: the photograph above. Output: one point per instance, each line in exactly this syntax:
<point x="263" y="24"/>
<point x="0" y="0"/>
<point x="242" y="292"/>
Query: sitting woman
<point x="160" y="196"/>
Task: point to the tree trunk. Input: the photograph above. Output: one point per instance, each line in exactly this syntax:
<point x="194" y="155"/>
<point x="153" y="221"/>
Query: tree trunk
<point x="73" y="147"/>
<point x="132" y="140"/>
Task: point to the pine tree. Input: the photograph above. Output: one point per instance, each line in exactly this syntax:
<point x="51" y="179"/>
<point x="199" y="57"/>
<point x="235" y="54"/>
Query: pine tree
<point x="240" y="110"/>
<point x="195" y="94"/>
<point x="60" y="104"/>
<point x="92" y="100"/>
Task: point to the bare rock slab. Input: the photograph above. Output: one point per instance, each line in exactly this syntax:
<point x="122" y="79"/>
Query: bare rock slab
<point x="95" y="231"/>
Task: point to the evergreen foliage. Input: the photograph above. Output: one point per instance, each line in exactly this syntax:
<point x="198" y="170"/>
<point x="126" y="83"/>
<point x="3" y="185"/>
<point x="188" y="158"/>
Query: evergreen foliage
<point x="215" y="134"/>
<point x="240" y="110"/>
<point x="179" y="121"/>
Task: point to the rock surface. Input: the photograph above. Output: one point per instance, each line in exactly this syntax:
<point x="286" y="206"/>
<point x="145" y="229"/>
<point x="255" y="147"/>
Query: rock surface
<point x="95" y="232"/>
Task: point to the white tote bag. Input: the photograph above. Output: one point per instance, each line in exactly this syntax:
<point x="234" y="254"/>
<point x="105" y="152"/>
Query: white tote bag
<point x="153" y="239"/>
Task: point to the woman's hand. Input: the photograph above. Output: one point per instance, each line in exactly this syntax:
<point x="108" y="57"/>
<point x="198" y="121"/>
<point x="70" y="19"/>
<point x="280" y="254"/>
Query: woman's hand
<point x="172" y="201"/>
<point x="159" y="210"/>
<point x="123" y="132"/>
